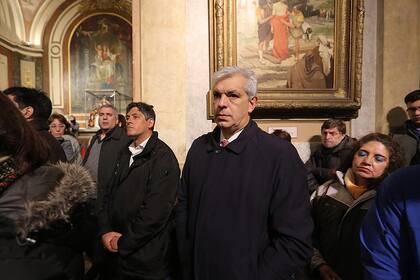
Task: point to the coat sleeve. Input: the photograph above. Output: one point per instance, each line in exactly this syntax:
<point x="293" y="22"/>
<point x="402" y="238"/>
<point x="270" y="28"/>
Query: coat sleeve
<point x="380" y="238"/>
<point x="290" y="223"/>
<point x="157" y="208"/>
<point x="181" y="218"/>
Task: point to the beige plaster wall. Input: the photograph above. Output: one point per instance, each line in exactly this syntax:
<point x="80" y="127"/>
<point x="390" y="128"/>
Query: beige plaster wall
<point x="175" y="65"/>
<point x="401" y="58"/>
<point x="163" y="67"/>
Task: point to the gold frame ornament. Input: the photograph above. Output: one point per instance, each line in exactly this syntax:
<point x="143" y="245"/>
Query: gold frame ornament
<point x="342" y="101"/>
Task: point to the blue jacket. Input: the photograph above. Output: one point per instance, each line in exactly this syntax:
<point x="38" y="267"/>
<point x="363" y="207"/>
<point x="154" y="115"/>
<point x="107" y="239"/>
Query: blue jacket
<point x="390" y="235"/>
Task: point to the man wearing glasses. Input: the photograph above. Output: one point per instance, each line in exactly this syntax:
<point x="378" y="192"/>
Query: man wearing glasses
<point x="410" y="141"/>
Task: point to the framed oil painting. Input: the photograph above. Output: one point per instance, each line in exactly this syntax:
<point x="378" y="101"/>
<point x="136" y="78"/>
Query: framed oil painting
<point x="307" y="54"/>
<point x="100" y="59"/>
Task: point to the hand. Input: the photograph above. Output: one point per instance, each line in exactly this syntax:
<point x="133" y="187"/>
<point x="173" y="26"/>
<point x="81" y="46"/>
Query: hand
<point x="326" y="273"/>
<point x="107" y="238"/>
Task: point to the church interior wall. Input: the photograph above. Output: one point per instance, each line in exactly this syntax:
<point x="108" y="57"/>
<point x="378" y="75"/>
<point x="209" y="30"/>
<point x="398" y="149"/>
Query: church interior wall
<point x="173" y="65"/>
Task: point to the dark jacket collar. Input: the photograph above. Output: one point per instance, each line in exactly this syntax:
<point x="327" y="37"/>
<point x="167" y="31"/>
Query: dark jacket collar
<point x="238" y="145"/>
<point x="345" y="143"/>
<point x="115" y="133"/>
<point x="411" y="129"/>
<point x="149" y="146"/>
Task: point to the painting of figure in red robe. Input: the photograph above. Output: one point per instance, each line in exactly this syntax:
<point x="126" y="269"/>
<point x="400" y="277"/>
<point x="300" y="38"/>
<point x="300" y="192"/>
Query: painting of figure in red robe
<point x="288" y="43"/>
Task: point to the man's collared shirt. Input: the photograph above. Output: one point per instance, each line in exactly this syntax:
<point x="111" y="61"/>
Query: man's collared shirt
<point x="232" y="138"/>
<point x="136" y="150"/>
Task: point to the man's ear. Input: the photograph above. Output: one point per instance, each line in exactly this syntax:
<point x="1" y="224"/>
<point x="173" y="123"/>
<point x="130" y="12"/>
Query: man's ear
<point x="28" y="112"/>
<point x="252" y="104"/>
<point x="150" y="123"/>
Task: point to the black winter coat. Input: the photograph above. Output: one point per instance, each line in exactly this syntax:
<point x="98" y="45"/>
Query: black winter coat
<point x="139" y="205"/>
<point x="410" y="142"/>
<point x="325" y="161"/>
<point x="115" y="141"/>
<point x="243" y="211"/>
<point x="338" y="218"/>
<point x="41" y="224"/>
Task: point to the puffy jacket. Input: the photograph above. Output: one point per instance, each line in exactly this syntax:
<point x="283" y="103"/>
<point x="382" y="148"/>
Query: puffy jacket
<point x="41" y="223"/>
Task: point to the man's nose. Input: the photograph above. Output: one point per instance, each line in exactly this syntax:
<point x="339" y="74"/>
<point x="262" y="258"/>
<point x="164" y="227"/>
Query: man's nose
<point x="223" y="100"/>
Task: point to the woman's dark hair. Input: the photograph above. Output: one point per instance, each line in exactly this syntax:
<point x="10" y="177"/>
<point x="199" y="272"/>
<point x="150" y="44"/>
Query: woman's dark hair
<point x="396" y="153"/>
<point x="122" y="121"/>
<point x="62" y="119"/>
<point x="282" y="134"/>
<point x="18" y="139"/>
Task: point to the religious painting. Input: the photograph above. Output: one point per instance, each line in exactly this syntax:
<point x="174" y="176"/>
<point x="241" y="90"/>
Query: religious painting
<point x="100" y="61"/>
<point x="306" y="53"/>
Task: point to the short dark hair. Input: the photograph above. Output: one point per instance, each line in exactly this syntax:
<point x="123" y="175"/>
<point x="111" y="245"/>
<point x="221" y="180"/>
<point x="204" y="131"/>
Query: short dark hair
<point x="19" y="140"/>
<point x="282" y="134"/>
<point x="412" y="96"/>
<point x="122" y="121"/>
<point x="37" y="99"/>
<point x="146" y="109"/>
<point x="333" y="123"/>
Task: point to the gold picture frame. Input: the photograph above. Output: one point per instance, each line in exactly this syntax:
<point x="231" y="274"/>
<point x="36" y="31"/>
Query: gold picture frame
<point x="342" y="100"/>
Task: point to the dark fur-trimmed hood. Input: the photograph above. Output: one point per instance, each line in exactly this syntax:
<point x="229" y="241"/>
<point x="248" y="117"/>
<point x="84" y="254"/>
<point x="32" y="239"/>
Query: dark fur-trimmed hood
<point x="74" y="187"/>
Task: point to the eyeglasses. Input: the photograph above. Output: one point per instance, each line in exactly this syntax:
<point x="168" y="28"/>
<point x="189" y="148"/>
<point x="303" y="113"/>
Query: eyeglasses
<point x="413" y="109"/>
<point x="57" y="126"/>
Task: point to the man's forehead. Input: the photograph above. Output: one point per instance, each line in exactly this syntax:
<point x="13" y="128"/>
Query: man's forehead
<point x="13" y="99"/>
<point x="107" y="110"/>
<point x="414" y="103"/>
<point x="134" y="111"/>
<point x="333" y="129"/>
<point x="236" y="80"/>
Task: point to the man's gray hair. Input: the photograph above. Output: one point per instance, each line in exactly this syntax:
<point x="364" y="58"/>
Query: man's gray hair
<point x="108" y="105"/>
<point x="227" y="72"/>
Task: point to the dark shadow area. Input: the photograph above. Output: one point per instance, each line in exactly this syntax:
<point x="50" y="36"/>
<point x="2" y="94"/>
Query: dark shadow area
<point x="314" y="143"/>
<point x="396" y="118"/>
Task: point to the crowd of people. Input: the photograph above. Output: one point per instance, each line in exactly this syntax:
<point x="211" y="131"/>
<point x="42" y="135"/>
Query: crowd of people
<point x="245" y="206"/>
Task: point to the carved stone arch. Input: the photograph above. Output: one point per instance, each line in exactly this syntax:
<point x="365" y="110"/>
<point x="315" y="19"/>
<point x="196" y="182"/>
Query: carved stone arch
<point x="68" y="91"/>
<point x="11" y="19"/>
<point x="41" y="19"/>
<point x="54" y="50"/>
<point x="57" y="33"/>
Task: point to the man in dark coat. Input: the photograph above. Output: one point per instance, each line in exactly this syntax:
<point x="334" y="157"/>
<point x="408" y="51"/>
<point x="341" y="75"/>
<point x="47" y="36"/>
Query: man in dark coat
<point x="100" y="159"/>
<point x="410" y="140"/>
<point x="136" y="220"/>
<point x="334" y="152"/>
<point x="36" y="108"/>
<point x="104" y="147"/>
<point x="243" y="206"/>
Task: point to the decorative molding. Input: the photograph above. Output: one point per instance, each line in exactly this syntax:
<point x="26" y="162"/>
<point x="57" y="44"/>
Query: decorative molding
<point x="41" y="19"/>
<point x="24" y="50"/>
<point x="4" y="72"/>
<point x="27" y="73"/>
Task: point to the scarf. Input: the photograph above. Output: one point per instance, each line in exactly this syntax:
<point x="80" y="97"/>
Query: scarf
<point x="355" y="190"/>
<point x="8" y="172"/>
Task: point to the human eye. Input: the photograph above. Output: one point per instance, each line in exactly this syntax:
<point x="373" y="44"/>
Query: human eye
<point x="216" y="94"/>
<point x="232" y="94"/>
<point x="362" y="153"/>
<point x="380" y="158"/>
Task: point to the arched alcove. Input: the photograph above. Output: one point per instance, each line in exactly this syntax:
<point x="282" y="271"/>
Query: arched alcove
<point x="57" y="35"/>
<point x="100" y="64"/>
